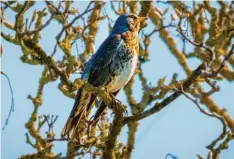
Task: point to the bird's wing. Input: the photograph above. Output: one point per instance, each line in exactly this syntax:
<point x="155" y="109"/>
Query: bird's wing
<point x="99" y="71"/>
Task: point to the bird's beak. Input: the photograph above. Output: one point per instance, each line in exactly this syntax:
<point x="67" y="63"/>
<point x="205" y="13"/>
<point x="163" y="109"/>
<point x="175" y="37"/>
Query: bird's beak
<point x="140" y="19"/>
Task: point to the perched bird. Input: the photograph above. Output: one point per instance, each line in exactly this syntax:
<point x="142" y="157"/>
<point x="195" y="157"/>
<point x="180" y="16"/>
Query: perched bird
<point x="111" y="66"/>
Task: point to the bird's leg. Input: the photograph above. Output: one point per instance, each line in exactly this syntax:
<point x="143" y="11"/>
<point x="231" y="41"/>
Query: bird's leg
<point x="115" y="103"/>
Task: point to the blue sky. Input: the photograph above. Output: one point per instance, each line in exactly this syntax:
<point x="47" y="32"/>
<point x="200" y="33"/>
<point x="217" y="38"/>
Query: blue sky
<point x="179" y="129"/>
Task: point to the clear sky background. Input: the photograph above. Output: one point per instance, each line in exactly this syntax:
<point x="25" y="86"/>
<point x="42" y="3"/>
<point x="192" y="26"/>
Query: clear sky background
<point x="179" y="129"/>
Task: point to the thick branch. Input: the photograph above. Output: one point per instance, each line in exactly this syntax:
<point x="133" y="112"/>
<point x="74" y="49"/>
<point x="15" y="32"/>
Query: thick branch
<point x="113" y="135"/>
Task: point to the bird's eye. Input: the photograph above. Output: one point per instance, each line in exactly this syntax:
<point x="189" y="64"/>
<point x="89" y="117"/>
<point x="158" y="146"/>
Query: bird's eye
<point x="133" y="17"/>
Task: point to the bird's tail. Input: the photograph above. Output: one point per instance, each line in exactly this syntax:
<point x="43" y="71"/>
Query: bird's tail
<point x="83" y="101"/>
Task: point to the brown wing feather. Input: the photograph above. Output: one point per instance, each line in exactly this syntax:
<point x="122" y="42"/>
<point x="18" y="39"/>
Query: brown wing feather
<point x="83" y="100"/>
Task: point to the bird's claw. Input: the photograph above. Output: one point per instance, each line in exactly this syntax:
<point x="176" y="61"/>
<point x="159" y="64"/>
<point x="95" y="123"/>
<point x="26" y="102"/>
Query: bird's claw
<point x="126" y="112"/>
<point x="115" y="103"/>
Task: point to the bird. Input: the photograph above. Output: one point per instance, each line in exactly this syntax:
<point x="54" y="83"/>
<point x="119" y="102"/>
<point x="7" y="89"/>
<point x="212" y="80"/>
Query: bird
<point x="112" y="66"/>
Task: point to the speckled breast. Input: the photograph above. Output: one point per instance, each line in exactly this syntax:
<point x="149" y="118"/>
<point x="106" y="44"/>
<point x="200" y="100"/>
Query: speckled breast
<point x="124" y="65"/>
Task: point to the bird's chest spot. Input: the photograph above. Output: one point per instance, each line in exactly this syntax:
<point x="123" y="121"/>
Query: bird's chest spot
<point x="131" y="40"/>
<point x="124" y="73"/>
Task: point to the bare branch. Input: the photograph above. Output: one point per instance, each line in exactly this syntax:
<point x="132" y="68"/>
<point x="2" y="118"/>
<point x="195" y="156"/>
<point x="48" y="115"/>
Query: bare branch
<point x="159" y="29"/>
<point x="87" y="10"/>
<point x="12" y="100"/>
<point x="159" y="106"/>
<point x="212" y="54"/>
<point x="28" y="33"/>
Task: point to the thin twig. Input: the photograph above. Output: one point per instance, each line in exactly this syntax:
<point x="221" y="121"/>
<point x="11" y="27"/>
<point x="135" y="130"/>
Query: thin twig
<point x="53" y="139"/>
<point x="51" y="122"/>
<point x="28" y="33"/>
<point x="19" y="14"/>
<point x="88" y="25"/>
<point x="203" y="111"/>
<point x="212" y="54"/>
<point x="159" y="29"/>
<point x="180" y="30"/>
<point x="12" y="100"/>
<point x="170" y="155"/>
<point x="87" y="10"/>
<point x="54" y="50"/>
<point x="214" y="115"/>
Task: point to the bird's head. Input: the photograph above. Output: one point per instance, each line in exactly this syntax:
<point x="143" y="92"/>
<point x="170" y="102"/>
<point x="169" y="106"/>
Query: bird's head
<point x="128" y="22"/>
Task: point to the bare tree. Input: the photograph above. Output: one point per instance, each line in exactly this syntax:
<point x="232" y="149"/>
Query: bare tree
<point x="208" y="30"/>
